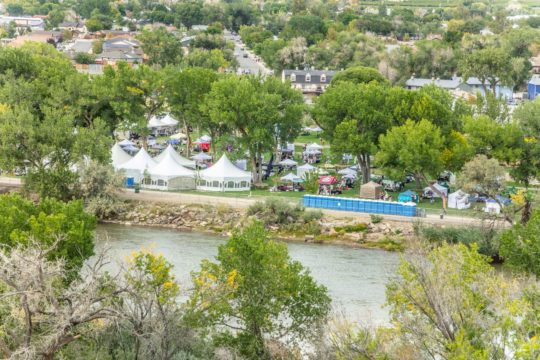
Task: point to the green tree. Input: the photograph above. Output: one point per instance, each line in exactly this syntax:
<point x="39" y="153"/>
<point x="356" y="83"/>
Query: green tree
<point x="451" y="303"/>
<point x="135" y="95"/>
<point x="359" y="75"/>
<point x="260" y="113"/>
<point x="50" y="221"/>
<point x="310" y="27"/>
<point x="161" y="47"/>
<point x="251" y="289"/>
<point x="84" y="58"/>
<point x="491" y="65"/>
<point x="186" y="90"/>
<point x="208" y="59"/>
<point x="521" y="244"/>
<point x="189" y="13"/>
<point x="415" y="148"/>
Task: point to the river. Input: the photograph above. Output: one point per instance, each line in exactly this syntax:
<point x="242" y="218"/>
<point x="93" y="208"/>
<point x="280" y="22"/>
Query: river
<point x="355" y="278"/>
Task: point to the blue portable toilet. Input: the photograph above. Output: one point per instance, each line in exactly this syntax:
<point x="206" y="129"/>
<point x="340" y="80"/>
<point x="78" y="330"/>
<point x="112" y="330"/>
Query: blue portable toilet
<point x="407" y="196"/>
<point x="533" y="87"/>
<point x="130" y="182"/>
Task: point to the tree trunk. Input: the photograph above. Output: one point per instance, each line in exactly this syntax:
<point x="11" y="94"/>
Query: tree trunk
<point x="254" y="169"/>
<point x="364" y="163"/>
<point x="527" y="211"/>
<point x="188" y="142"/>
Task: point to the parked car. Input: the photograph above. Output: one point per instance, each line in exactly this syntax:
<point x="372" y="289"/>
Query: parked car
<point x="245" y="55"/>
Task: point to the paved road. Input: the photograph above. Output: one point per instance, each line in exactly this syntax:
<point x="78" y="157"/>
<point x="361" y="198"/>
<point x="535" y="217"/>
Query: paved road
<point x="246" y="63"/>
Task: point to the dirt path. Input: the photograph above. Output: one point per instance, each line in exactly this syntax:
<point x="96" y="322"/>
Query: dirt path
<point x="243" y="203"/>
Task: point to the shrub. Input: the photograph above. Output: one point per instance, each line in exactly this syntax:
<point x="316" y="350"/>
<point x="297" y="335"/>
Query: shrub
<point x="375" y="219"/>
<point x="487" y="239"/>
<point x="276" y="212"/>
<point x="311" y="215"/>
<point x="352" y="228"/>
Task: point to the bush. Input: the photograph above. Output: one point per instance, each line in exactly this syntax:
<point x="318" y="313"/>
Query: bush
<point x="487" y="239"/>
<point x="352" y="228"/>
<point x="105" y="207"/>
<point x="276" y="212"/>
<point x="311" y="215"/>
<point x="375" y="219"/>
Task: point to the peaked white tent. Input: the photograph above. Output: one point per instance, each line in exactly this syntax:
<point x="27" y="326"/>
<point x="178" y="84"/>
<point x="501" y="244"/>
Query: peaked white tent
<point x="201" y="157"/>
<point x="176" y="156"/>
<point x="314" y="146"/>
<point x="169" y="175"/>
<point x="347" y="171"/>
<point x="126" y="142"/>
<point x="304" y="169"/>
<point x="205" y="138"/>
<point x="119" y="156"/>
<point x="224" y="176"/>
<point x="458" y="200"/>
<point x="291" y="177"/>
<point x="288" y="163"/>
<point x="136" y="167"/>
<point x="428" y="190"/>
<point x="157" y="122"/>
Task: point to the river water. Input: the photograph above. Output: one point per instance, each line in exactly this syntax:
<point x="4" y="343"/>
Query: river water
<point x="355" y="278"/>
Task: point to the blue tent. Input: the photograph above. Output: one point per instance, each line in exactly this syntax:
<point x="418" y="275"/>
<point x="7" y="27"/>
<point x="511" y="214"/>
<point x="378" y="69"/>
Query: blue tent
<point x="408" y="196"/>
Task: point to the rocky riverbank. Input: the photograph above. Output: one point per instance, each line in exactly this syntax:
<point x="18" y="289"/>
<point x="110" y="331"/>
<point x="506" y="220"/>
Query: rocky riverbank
<point x="222" y="219"/>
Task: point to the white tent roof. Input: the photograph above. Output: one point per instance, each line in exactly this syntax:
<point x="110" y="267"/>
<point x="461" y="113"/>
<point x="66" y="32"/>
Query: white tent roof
<point x="224" y="170"/>
<point x="205" y="138"/>
<point x="306" y="167"/>
<point x="291" y="177"/>
<point x="347" y="171"/>
<point x="126" y="142"/>
<point x="169" y="168"/>
<point x="288" y="162"/>
<point x="162" y="121"/>
<point x="119" y="156"/>
<point x="441" y="188"/>
<point x="176" y="156"/>
<point x="201" y="156"/>
<point x="178" y="136"/>
<point x="314" y="146"/>
<point x="142" y="161"/>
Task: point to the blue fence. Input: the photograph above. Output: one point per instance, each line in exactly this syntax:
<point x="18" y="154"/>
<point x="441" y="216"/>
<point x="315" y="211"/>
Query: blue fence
<point x="360" y="205"/>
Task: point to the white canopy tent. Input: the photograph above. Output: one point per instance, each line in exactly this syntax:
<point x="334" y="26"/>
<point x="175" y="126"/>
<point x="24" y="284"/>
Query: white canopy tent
<point x="176" y="156"/>
<point x="458" y="200"/>
<point x="224" y="176"/>
<point x="201" y="157"/>
<point x="205" y="138"/>
<point x="162" y="121"/>
<point x="314" y="146"/>
<point x="428" y="190"/>
<point x="492" y="207"/>
<point x="126" y="142"/>
<point x="168" y="174"/>
<point x="291" y="177"/>
<point x="119" y="156"/>
<point x="288" y="163"/>
<point x="348" y="171"/>
<point x="136" y="167"/>
<point x="178" y="136"/>
<point x="304" y="169"/>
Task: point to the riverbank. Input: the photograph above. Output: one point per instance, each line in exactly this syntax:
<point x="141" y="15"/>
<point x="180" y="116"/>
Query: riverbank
<point x="222" y="219"/>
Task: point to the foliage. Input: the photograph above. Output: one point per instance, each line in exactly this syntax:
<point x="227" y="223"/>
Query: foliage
<point x="49" y="222"/>
<point x="84" y="58"/>
<point x="161" y="47"/>
<point x="485" y="238"/>
<point x="375" y="219"/>
<point x="251" y="288"/>
<point x="353" y="228"/>
<point x="520" y="245"/>
<point x="359" y="75"/>
<point x="260" y="113"/>
<point x="452" y="303"/>
<point x="482" y="175"/>
<point x="415" y="148"/>
<point x="279" y="212"/>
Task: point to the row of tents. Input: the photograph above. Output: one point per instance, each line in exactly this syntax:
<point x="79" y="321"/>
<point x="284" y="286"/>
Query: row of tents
<point x="171" y="171"/>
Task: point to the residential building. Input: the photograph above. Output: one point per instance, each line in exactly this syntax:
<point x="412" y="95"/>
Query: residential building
<point x="535" y="63"/>
<point x="533" y="87"/>
<point x="40" y="36"/>
<point x="308" y="81"/>
<point x="472" y="86"/>
<point x="120" y="49"/>
<point x="23" y="22"/>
